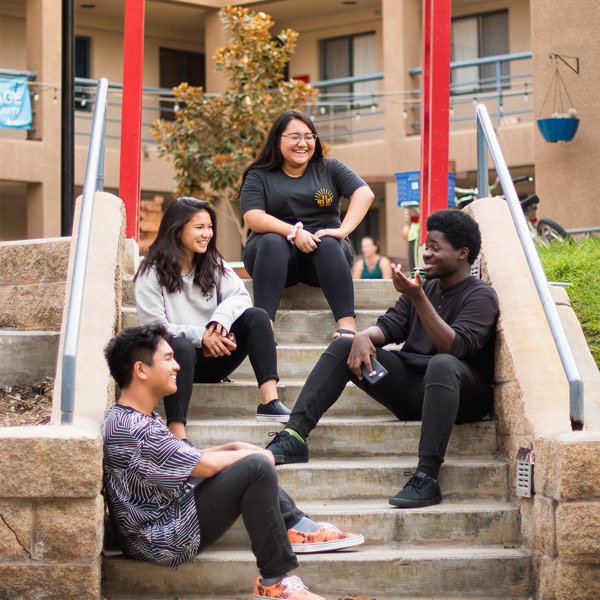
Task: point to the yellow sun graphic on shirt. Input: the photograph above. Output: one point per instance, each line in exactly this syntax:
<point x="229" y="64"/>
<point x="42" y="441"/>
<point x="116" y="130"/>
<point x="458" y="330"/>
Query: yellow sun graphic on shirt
<point x="324" y="197"/>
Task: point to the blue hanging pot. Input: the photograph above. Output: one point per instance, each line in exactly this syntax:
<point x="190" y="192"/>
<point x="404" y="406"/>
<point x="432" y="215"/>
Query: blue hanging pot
<point x="558" y="129"/>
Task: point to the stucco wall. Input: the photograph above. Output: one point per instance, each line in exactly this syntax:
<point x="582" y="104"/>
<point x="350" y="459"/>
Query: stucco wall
<point x="567" y="177"/>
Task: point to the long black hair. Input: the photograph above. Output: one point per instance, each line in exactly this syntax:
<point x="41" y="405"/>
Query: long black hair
<point x="270" y="158"/>
<point x="166" y="253"/>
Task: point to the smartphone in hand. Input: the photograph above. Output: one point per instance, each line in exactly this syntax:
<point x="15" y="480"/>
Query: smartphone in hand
<point x="379" y="371"/>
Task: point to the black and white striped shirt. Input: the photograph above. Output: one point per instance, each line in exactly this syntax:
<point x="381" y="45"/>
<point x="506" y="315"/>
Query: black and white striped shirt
<point x="146" y="478"/>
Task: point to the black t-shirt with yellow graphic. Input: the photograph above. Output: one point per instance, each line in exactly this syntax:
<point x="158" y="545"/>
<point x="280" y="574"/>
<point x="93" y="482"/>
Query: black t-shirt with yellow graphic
<point x="313" y="198"/>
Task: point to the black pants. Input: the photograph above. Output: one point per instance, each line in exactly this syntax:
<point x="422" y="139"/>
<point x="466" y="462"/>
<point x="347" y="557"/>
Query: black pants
<point x="249" y="487"/>
<point x="254" y="338"/>
<point x="450" y="391"/>
<point x="275" y="264"/>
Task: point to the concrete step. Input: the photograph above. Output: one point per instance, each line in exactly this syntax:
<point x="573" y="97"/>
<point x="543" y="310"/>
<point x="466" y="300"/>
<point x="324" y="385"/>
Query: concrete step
<point x="27" y="356"/>
<point x="461" y="479"/>
<point x="294" y="327"/>
<point x="350" y="436"/>
<point x="371" y="294"/>
<point x="239" y="400"/>
<point x="410" y="571"/>
<point x="446" y="523"/>
<point x="248" y="595"/>
<point x="293" y="362"/>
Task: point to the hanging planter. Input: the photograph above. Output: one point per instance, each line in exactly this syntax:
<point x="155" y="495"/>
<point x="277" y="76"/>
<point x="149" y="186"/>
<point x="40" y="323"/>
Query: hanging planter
<point x="558" y="128"/>
<point x="562" y="125"/>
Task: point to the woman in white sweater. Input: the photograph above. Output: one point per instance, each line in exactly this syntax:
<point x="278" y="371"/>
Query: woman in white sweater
<point x="184" y="284"/>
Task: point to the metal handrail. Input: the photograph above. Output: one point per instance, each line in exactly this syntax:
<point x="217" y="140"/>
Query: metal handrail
<point x="487" y="140"/>
<point x="18" y="73"/>
<point x="476" y="62"/>
<point x="347" y="80"/>
<point x="94" y="181"/>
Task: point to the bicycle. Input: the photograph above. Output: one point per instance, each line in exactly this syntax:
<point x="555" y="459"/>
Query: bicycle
<point x="543" y="231"/>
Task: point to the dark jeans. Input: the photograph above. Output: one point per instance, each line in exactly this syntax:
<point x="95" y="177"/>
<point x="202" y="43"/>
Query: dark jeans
<point x="254" y="338"/>
<point x="448" y="392"/>
<point x="275" y="264"/>
<point x="249" y="487"/>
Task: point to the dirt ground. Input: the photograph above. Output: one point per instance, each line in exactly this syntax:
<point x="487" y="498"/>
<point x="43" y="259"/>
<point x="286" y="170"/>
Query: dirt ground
<point x="26" y="404"/>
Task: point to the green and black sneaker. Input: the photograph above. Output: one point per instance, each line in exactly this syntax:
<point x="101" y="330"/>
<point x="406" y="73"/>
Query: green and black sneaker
<point x="287" y="448"/>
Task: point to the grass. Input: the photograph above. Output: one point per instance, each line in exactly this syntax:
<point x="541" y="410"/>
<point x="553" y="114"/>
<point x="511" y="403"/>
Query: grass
<point x="579" y="264"/>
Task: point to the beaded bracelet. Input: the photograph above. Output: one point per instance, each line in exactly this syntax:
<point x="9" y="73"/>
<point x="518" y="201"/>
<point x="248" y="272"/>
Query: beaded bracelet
<point x="292" y="234"/>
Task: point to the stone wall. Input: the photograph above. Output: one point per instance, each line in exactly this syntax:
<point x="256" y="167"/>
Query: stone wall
<point x="51" y="513"/>
<point x="51" y="509"/>
<point x="32" y="283"/>
<point x="32" y="289"/>
<point x="561" y="522"/>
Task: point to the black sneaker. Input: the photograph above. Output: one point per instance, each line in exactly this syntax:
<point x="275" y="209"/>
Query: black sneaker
<point x="421" y="490"/>
<point x="287" y="448"/>
<point x="273" y="411"/>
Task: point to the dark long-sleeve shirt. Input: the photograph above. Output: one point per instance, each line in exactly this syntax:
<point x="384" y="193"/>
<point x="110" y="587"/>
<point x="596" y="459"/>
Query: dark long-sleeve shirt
<point x="469" y="307"/>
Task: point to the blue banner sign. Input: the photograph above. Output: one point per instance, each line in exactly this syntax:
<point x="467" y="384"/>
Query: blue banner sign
<point x="15" y="102"/>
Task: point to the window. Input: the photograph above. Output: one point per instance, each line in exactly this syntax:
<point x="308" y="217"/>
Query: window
<point x="478" y="36"/>
<point x="350" y="56"/>
<point x="82" y="69"/>
<point x="177" y="66"/>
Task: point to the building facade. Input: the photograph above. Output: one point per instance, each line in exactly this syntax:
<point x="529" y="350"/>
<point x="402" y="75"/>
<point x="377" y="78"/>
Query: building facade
<point x="370" y="118"/>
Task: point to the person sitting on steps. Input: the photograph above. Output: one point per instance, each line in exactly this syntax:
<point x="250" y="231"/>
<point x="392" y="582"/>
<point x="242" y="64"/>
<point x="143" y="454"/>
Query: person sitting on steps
<point x="160" y="516"/>
<point x="290" y="199"/>
<point x="442" y="374"/>
<point x="372" y="265"/>
<point x="184" y="283"/>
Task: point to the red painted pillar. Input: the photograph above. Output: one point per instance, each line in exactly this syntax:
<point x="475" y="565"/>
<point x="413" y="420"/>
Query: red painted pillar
<point x="435" y="112"/>
<point x="425" y="114"/>
<point x="131" y="115"/>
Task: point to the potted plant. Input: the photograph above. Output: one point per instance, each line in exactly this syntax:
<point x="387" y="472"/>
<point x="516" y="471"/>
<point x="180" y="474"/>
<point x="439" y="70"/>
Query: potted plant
<point x="560" y="127"/>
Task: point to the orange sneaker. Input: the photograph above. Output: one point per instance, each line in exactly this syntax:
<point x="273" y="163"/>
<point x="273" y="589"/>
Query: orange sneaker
<point x="328" y="537"/>
<point x="288" y="588"/>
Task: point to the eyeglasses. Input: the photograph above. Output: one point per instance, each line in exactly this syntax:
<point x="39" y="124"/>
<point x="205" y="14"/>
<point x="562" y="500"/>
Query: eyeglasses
<point x="296" y="137"/>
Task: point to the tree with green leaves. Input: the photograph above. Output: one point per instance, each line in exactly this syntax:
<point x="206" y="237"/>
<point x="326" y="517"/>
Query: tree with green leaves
<point x="214" y="137"/>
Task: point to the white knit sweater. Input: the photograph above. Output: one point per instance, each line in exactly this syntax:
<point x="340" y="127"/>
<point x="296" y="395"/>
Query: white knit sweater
<point x="186" y="313"/>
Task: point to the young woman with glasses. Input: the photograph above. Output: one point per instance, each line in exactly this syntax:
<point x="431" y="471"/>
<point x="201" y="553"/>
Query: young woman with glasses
<point x="290" y="200"/>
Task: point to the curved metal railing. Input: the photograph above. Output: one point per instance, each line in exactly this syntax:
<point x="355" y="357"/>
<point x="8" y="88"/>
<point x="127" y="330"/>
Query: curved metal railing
<point x="487" y="140"/>
<point x="94" y="181"/>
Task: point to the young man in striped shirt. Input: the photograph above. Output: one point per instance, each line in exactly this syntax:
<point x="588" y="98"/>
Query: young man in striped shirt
<point x="160" y="516"/>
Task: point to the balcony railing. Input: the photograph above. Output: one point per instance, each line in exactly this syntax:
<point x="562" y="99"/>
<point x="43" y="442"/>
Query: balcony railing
<point x="357" y="113"/>
<point x="505" y="92"/>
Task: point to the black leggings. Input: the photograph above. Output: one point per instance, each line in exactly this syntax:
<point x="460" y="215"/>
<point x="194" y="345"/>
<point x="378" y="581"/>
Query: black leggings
<point x="275" y="264"/>
<point x="254" y="338"/>
<point x="450" y="391"/>
<point x="249" y="487"/>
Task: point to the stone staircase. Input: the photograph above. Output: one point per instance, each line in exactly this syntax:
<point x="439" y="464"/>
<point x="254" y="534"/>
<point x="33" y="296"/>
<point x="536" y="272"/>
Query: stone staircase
<point x="466" y="547"/>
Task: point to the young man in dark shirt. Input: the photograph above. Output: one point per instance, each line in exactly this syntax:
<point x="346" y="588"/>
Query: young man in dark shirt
<point x="161" y="517"/>
<point x="444" y="370"/>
